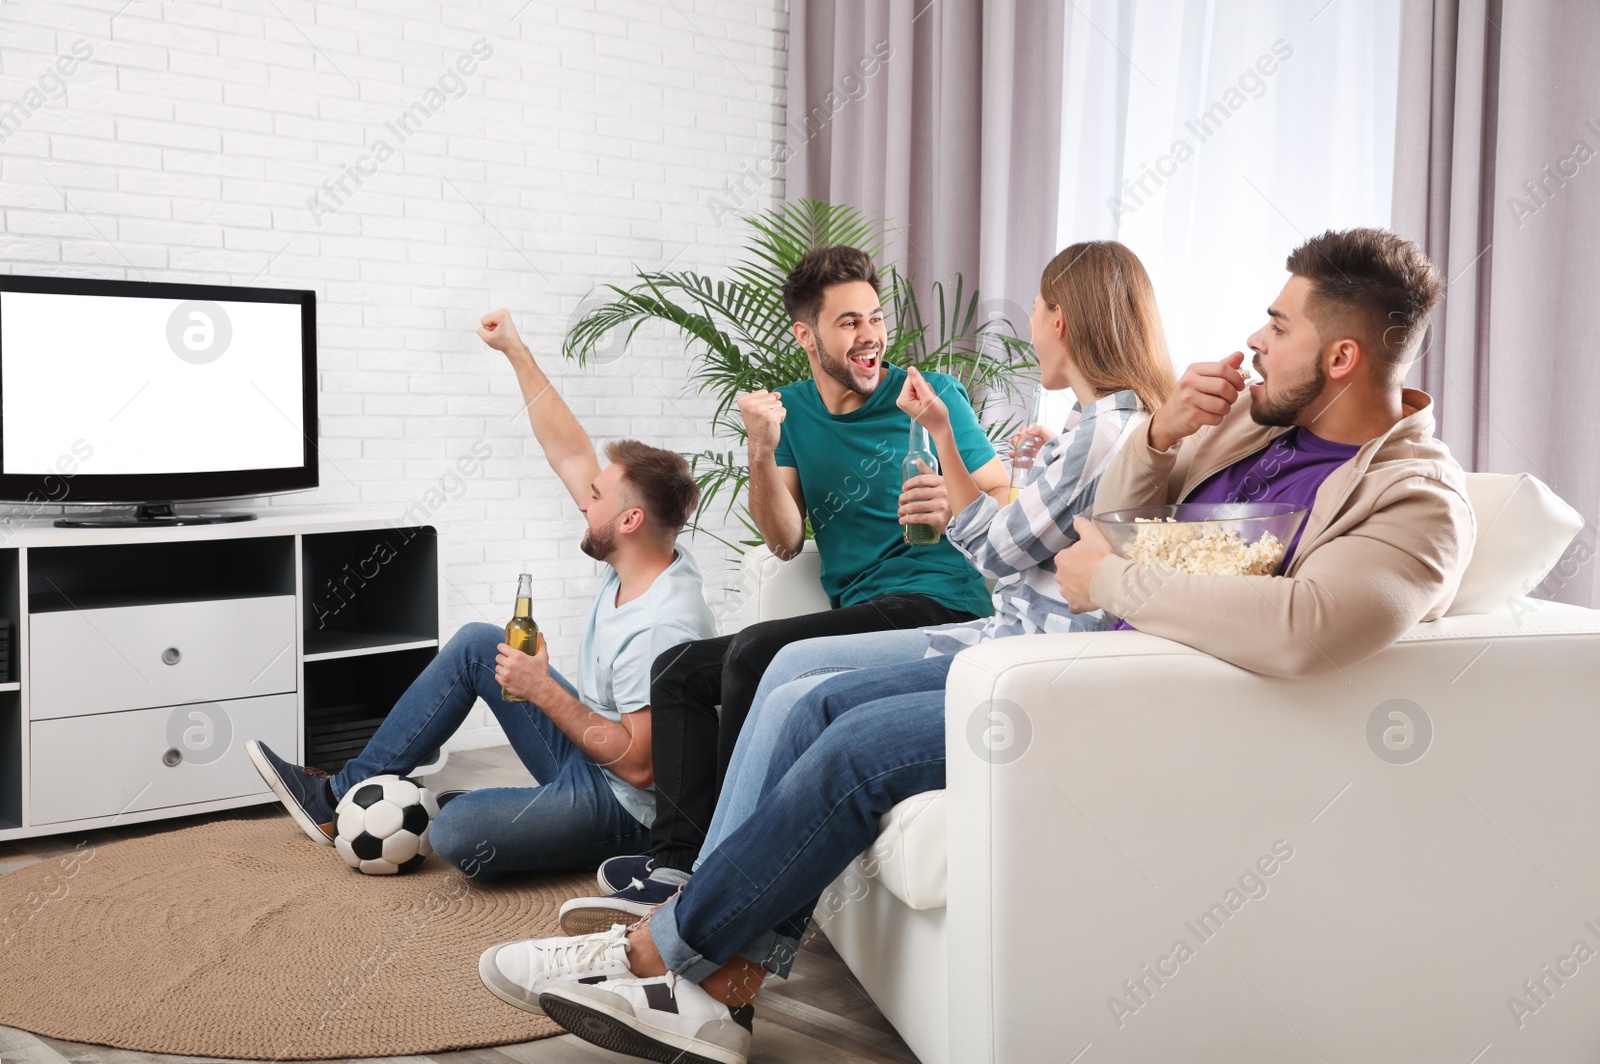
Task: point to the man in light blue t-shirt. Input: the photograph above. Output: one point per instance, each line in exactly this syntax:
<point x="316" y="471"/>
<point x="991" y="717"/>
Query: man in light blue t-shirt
<point x="588" y="745"/>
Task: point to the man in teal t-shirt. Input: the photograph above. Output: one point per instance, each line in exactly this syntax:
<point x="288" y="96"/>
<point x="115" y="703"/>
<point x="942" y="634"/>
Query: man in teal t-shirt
<point x="829" y="449"/>
<point x="849" y="468"/>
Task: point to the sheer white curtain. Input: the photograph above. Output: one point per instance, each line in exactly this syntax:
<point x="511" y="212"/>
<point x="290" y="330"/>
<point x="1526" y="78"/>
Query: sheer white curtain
<point x="1212" y="137"/>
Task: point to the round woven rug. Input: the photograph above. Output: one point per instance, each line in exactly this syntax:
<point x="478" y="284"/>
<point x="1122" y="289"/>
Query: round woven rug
<point x="239" y="938"/>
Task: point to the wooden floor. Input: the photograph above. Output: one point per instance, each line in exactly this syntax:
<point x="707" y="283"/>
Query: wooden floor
<point x="819" y="1015"/>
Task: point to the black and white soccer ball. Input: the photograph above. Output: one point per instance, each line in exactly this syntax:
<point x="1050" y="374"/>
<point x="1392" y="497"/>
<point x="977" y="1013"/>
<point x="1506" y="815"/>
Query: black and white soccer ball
<point x="381" y="825"/>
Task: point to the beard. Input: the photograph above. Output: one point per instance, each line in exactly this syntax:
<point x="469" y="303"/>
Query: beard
<point x="839" y="370"/>
<point x="599" y="543"/>
<point x="1284" y="410"/>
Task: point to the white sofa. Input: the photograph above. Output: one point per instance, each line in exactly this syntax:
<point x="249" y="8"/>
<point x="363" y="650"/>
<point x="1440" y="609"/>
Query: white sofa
<point x="1110" y="796"/>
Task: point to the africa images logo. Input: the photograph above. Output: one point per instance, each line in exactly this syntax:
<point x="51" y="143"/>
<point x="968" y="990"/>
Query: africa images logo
<point x="199" y="331"/>
<point x="1399" y="731"/>
<point x="1136" y="191"/>
<point x="197" y="734"/>
<point x="450" y="85"/>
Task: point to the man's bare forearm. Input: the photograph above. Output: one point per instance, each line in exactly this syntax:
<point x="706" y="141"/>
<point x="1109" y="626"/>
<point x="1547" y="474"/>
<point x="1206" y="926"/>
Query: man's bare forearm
<point x="773" y="509"/>
<point x="606" y="742"/>
<point x="562" y="438"/>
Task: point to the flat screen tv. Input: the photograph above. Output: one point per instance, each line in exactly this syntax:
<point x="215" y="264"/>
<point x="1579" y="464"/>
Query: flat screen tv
<point x="150" y="394"/>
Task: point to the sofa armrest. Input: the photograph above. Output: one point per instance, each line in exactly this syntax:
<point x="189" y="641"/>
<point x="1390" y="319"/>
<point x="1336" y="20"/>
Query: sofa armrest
<point x="775" y="589"/>
<point x="1403" y="830"/>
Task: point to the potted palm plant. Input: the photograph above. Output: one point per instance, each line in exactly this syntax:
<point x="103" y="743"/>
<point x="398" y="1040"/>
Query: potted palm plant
<point x="739" y="335"/>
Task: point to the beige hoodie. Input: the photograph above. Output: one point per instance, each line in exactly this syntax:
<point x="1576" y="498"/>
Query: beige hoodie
<point x="1382" y="549"/>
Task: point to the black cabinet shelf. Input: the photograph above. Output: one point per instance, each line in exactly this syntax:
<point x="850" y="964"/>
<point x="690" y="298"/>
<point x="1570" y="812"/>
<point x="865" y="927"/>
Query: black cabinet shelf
<point x="370" y="618"/>
<point x="347" y="698"/>
<point x="110" y="575"/>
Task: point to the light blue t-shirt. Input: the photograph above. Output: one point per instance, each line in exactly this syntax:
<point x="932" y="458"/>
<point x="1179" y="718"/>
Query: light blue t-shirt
<point x="620" y="643"/>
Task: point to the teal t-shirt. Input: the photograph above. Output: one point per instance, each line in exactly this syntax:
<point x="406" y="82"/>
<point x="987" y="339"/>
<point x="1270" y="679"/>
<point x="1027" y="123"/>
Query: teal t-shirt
<point x="849" y="466"/>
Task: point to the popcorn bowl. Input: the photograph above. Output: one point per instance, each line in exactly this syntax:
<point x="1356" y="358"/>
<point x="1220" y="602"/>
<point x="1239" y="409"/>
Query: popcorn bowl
<point x="1205" y="539"/>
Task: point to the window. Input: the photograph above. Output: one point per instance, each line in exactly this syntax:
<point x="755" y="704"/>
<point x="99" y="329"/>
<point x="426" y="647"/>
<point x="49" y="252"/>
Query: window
<point x="1213" y="137"/>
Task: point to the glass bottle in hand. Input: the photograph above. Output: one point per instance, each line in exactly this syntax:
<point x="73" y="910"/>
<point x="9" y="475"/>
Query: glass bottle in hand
<point x="1026" y="450"/>
<point x="521" y="632"/>
<point x="920" y="458"/>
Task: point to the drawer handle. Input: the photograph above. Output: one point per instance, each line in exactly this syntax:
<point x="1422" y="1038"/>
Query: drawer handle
<point x="171" y="758"/>
<point x="171" y="656"/>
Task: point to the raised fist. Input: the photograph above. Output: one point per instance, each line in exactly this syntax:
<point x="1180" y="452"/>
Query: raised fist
<point x="497" y="330"/>
<point x="763" y="413"/>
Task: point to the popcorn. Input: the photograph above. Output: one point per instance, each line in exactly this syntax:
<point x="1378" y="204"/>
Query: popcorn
<point x="1203" y="548"/>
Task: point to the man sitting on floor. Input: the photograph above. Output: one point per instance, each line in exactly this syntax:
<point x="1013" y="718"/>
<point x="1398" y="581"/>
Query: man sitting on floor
<point x="1387" y="538"/>
<point x="589" y="745"/>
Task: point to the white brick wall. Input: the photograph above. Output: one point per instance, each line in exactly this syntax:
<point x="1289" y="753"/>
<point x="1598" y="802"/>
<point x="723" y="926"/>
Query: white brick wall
<point x="186" y="148"/>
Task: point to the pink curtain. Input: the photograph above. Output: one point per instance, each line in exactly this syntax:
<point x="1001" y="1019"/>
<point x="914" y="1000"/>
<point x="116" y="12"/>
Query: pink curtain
<point x="943" y="117"/>
<point x="1497" y="176"/>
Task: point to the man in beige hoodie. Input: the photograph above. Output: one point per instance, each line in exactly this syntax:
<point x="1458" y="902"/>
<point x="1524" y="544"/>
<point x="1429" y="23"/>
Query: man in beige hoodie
<point x="1332" y="427"/>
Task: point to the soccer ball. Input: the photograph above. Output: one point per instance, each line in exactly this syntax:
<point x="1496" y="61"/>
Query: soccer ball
<point x="381" y="825"/>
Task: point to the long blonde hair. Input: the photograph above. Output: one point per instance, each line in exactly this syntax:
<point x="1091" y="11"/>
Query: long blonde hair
<point x="1113" y="329"/>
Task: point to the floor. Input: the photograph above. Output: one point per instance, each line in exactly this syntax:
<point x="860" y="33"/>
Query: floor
<point x="818" y="1016"/>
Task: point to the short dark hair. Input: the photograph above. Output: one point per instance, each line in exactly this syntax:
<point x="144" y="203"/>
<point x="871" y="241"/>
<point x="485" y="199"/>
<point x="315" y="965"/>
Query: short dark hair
<point x="1374" y="287"/>
<point x="820" y="269"/>
<point x="660" y="480"/>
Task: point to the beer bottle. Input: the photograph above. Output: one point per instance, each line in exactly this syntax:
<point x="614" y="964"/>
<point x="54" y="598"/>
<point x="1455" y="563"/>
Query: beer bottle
<point x="521" y="632"/>
<point x="920" y="454"/>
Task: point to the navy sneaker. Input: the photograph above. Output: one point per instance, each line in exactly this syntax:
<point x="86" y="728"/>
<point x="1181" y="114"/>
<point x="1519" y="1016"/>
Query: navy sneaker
<point x="620" y="873"/>
<point x="304" y="792"/>
<point x="444" y="798"/>
<point x="586" y="916"/>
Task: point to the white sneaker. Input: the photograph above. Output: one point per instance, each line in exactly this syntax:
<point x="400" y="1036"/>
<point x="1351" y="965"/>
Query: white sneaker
<point x="661" y="1018"/>
<point x="518" y="972"/>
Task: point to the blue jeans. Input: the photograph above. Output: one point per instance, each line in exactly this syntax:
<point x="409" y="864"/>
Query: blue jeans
<point x="797" y="669"/>
<point x="570" y="821"/>
<point x="854" y="746"/>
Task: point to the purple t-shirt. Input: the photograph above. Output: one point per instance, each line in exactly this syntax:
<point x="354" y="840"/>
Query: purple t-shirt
<point x="1289" y="469"/>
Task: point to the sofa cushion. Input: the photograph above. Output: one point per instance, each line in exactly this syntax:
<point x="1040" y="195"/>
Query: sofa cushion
<point x="912" y="851"/>
<point x="774" y="590"/>
<point x="1523" y="529"/>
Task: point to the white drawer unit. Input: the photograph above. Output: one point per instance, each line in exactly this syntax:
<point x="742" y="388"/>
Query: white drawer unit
<point x="117" y="763"/>
<point x="101" y="661"/>
<point x="142" y="660"/>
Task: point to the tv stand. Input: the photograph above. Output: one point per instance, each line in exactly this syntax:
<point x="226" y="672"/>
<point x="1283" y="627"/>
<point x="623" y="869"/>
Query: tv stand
<point x="150" y="514"/>
<point x="144" y="659"/>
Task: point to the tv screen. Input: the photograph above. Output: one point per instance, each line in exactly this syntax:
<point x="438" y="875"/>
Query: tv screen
<point x="136" y="392"/>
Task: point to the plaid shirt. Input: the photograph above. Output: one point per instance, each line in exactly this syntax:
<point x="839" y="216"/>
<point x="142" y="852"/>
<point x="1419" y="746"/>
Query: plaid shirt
<point x="1016" y="545"/>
